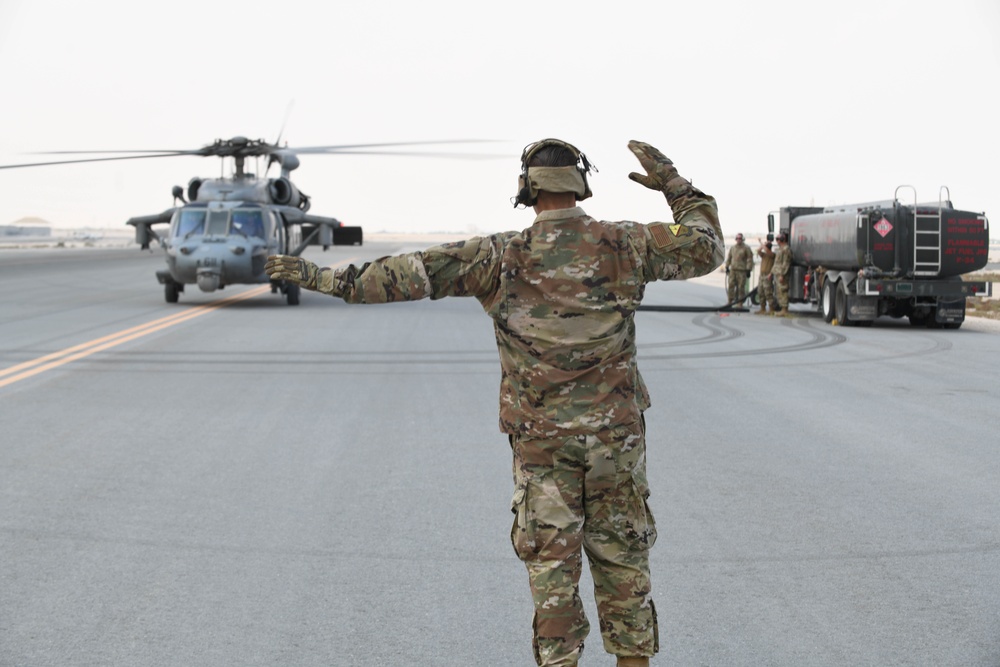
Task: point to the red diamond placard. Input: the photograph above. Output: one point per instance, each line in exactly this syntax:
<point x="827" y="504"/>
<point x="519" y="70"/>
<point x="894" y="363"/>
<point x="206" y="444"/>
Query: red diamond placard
<point x="883" y="227"/>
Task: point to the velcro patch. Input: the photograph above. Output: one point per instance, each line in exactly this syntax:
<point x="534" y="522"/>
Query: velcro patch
<point x="678" y="229"/>
<point x="661" y="237"/>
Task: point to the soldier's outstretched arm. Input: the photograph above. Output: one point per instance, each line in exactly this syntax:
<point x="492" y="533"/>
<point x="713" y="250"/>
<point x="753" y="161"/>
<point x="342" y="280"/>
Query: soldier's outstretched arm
<point x="693" y="244"/>
<point x="454" y="269"/>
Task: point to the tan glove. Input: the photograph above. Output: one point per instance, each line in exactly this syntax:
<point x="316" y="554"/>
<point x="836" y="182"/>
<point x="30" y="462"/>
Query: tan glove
<point x="659" y="169"/>
<point x="293" y="269"/>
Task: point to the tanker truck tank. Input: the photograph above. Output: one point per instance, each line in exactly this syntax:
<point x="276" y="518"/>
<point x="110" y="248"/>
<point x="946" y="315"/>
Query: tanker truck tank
<point x="892" y="239"/>
<point x="826" y="239"/>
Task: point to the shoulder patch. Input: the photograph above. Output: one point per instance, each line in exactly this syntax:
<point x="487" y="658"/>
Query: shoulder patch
<point x="661" y="237"/>
<point x="665" y="235"/>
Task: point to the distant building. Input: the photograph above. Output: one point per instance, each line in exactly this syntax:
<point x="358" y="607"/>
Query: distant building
<point x="27" y="227"/>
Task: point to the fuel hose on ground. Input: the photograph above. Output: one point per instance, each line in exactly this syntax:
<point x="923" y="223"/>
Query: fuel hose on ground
<point x="730" y="307"/>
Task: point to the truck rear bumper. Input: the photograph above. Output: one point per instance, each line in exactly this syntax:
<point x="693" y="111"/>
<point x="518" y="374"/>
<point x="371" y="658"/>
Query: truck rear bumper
<point x="949" y="289"/>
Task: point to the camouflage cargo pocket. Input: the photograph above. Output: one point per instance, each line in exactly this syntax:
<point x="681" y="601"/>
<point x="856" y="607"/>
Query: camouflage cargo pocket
<point x="521" y="534"/>
<point x="643" y="523"/>
<point x="630" y="459"/>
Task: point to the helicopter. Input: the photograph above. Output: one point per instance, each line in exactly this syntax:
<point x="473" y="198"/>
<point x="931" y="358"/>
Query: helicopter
<point x="223" y="231"/>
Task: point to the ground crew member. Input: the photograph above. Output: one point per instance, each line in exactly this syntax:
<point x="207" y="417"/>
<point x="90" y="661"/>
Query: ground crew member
<point x="739" y="264"/>
<point x="780" y="271"/>
<point x="562" y="295"/>
<point x="765" y="286"/>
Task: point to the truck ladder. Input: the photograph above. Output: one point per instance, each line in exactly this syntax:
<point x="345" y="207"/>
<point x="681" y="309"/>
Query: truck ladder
<point x="926" y="243"/>
<point x="927" y="237"/>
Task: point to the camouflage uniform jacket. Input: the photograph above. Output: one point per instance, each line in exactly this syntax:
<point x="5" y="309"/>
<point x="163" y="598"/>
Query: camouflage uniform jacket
<point x="782" y="261"/>
<point x="562" y="295"/>
<point x="740" y="258"/>
<point x="766" y="260"/>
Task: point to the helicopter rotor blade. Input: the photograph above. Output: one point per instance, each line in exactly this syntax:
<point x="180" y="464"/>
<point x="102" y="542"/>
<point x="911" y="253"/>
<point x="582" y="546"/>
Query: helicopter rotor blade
<point x="240" y="147"/>
<point x="345" y="148"/>
<point x="153" y="151"/>
<point x="95" y="159"/>
<point x="441" y="154"/>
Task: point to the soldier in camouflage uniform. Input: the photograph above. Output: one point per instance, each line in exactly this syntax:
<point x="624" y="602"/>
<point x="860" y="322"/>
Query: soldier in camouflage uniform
<point x="765" y="286"/>
<point x="782" y="265"/>
<point x="739" y="264"/>
<point x="562" y="295"/>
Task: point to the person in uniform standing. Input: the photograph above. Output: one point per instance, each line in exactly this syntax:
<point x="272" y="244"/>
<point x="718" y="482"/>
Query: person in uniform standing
<point x="739" y="264"/>
<point x="765" y="286"/>
<point x="782" y="266"/>
<point x="562" y="295"/>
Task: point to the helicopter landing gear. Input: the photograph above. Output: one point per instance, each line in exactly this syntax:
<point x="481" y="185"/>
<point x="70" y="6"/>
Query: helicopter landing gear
<point x="292" y="292"/>
<point x="170" y="292"/>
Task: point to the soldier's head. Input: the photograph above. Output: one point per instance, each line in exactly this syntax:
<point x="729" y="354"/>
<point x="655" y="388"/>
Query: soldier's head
<point x="782" y="238"/>
<point x="739" y="238"/>
<point x="552" y="166"/>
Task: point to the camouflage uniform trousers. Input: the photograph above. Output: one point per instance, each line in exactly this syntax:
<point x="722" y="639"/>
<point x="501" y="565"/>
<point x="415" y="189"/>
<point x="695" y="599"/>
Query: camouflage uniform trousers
<point x="781" y="287"/>
<point x="736" y="285"/>
<point x="586" y="491"/>
<point x="765" y="292"/>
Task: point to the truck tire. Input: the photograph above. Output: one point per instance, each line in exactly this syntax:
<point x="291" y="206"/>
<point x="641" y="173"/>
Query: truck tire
<point x="170" y="292"/>
<point x="827" y="300"/>
<point x="840" y="305"/>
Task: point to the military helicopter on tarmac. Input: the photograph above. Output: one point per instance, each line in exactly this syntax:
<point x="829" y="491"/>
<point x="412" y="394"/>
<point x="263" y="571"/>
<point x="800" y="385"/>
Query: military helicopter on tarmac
<point x="222" y="233"/>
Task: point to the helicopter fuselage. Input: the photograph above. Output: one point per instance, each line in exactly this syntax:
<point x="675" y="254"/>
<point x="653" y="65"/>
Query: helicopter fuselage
<point x="218" y="243"/>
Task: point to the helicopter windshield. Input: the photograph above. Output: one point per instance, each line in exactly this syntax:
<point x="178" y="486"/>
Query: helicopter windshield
<point x="192" y="221"/>
<point x="250" y="223"/>
<point x="218" y="222"/>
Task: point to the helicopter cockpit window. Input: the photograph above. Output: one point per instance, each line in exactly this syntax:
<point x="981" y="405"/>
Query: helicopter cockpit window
<point x="218" y="222"/>
<point x="192" y="221"/>
<point x="250" y="223"/>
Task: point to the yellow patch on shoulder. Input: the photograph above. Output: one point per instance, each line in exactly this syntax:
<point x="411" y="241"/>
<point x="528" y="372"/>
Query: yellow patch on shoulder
<point x="678" y="229"/>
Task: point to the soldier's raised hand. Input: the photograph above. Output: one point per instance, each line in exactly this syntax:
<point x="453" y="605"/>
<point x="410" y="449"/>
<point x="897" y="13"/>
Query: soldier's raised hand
<point x="293" y="269"/>
<point x="659" y="168"/>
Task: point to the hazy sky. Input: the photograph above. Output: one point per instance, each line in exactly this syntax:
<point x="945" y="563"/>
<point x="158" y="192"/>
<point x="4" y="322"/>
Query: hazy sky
<point x="762" y="104"/>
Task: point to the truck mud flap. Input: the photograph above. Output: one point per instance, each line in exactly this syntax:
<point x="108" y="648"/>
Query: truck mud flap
<point x="862" y="308"/>
<point x="950" y="312"/>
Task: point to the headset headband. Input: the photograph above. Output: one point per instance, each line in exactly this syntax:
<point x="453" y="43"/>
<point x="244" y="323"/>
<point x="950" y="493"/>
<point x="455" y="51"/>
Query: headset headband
<point x="527" y="192"/>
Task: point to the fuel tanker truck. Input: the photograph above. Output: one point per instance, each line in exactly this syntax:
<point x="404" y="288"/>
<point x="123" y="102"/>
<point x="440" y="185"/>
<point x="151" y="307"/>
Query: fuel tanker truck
<point x="858" y="262"/>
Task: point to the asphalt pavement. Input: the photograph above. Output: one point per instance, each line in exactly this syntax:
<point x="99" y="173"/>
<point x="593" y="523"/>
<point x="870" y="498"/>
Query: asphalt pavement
<point x="230" y="480"/>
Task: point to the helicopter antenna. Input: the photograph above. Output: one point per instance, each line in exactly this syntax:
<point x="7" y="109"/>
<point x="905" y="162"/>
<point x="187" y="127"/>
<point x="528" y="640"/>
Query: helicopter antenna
<point x="288" y="112"/>
<point x="281" y="132"/>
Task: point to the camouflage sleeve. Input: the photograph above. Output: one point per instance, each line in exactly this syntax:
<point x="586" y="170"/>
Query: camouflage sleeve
<point x="465" y="268"/>
<point x="691" y="246"/>
<point x="782" y="262"/>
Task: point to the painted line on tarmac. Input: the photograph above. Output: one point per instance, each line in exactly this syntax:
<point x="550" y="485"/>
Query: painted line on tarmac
<point x="32" y="368"/>
<point x="29" y="369"/>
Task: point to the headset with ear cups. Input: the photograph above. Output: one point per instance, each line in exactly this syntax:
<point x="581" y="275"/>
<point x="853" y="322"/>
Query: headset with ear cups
<point x="524" y="196"/>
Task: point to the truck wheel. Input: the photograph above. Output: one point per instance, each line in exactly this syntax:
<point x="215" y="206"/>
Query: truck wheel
<point x="292" y="294"/>
<point x="840" y="305"/>
<point x="827" y="300"/>
<point x="170" y="292"/>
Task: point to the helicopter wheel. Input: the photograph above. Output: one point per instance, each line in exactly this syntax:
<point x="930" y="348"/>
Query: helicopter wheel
<point x="292" y="294"/>
<point x="170" y="292"/>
